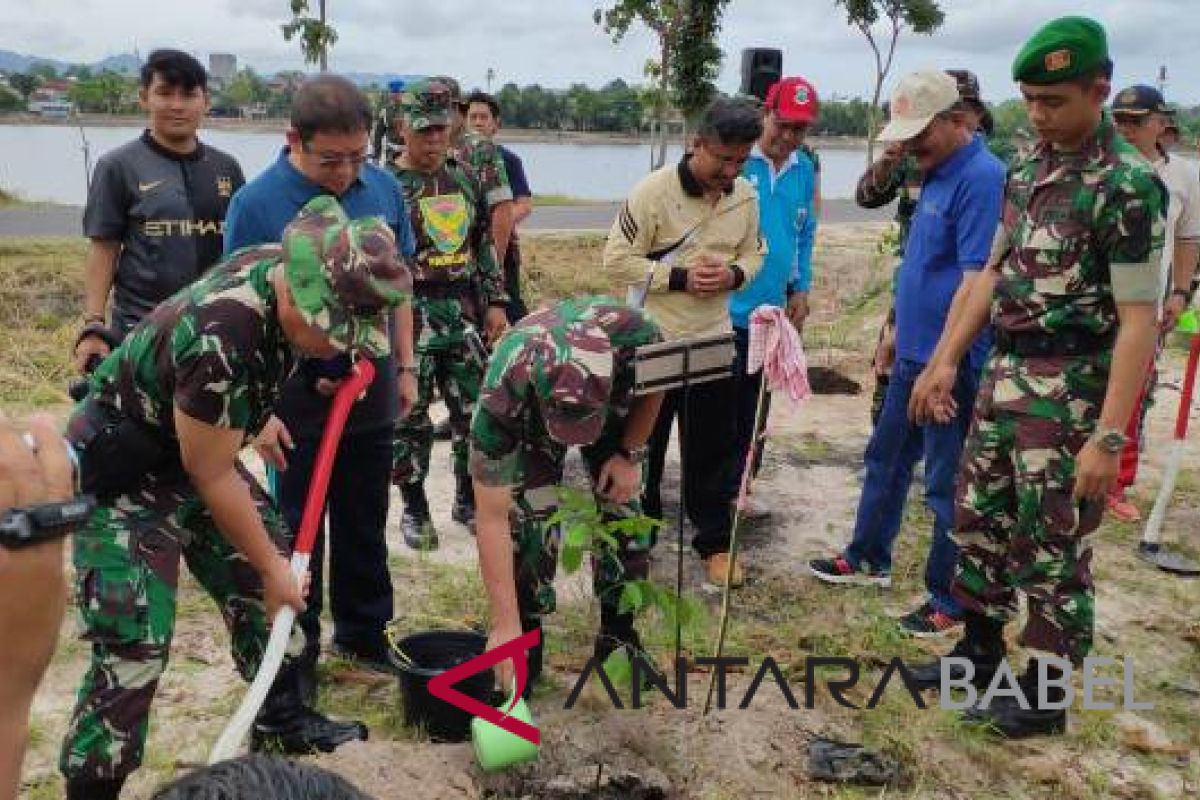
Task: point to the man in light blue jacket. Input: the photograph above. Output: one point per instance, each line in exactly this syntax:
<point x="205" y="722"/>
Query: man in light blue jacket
<point x="785" y="172"/>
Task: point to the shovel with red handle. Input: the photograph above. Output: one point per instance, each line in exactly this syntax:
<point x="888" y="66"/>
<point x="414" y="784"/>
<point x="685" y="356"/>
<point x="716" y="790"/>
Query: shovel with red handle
<point x="1150" y="548"/>
<point x="235" y="732"/>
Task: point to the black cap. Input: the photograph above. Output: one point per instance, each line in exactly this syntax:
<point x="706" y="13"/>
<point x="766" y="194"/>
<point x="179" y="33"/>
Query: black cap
<point x="1140" y="99"/>
<point x="968" y="84"/>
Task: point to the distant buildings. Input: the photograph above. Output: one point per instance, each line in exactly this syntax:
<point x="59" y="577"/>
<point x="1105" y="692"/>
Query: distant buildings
<point x="221" y="69"/>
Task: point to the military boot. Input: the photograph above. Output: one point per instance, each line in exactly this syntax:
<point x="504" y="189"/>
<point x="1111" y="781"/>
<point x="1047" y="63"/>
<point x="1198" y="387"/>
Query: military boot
<point x="99" y="789"/>
<point x="286" y="725"/>
<point x="463" y="510"/>
<point x="1005" y="716"/>
<point x="982" y="644"/>
<point x="415" y="523"/>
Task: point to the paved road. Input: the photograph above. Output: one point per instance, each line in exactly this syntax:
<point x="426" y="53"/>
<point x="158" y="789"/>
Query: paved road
<point x="51" y="221"/>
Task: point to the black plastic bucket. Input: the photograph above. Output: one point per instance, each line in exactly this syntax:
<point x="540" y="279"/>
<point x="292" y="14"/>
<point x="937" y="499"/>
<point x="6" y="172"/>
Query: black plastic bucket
<point x="431" y="653"/>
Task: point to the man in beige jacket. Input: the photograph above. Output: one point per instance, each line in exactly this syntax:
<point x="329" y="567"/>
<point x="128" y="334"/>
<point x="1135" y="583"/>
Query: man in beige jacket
<point x="686" y="238"/>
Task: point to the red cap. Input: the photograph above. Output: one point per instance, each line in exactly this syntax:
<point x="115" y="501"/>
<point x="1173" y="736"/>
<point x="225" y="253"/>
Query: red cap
<point x="793" y="100"/>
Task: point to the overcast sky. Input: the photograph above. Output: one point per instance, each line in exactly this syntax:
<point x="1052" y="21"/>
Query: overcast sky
<point x="555" y="43"/>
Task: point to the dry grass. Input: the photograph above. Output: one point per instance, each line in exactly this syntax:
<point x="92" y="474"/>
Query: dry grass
<point x="41" y="289"/>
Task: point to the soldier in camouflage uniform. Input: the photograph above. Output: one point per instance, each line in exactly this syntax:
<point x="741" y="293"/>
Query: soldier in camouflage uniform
<point x="457" y="282"/>
<point x="562" y="377"/>
<point x="159" y="434"/>
<point x="896" y="176"/>
<point x="1072" y="290"/>
<point x="386" y="139"/>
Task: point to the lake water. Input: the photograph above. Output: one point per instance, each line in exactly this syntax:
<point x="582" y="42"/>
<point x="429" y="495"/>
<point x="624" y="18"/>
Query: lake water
<point x="45" y="162"/>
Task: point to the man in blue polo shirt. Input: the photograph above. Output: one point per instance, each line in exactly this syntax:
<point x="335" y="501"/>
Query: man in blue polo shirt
<point x="785" y="174"/>
<point x="326" y="153"/>
<point x="948" y="244"/>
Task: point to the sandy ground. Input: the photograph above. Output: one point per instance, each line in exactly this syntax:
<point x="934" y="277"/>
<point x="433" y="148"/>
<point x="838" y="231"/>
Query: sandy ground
<point x="811" y="482"/>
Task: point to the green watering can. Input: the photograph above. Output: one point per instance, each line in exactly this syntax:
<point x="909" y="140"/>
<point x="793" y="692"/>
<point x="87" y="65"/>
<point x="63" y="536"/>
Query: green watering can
<point x="496" y="748"/>
<point x="1189" y="322"/>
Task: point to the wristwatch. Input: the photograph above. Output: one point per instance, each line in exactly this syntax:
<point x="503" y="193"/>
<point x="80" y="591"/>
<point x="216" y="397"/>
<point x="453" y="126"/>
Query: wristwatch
<point x="403" y="368"/>
<point x="1184" y="293"/>
<point x="634" y="455"/>
<point x="28" y="525"/>
<point x="1111" y="440"/>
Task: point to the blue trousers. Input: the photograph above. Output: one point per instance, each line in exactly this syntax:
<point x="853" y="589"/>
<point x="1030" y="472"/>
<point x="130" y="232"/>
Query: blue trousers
<point x="892" y="452"/>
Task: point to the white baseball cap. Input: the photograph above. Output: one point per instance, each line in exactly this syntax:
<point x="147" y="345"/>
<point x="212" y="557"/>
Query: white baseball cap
<point x="918" y="98"/>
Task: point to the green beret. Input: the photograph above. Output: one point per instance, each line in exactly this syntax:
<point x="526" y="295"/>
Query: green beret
<point x="1061" y="50"/>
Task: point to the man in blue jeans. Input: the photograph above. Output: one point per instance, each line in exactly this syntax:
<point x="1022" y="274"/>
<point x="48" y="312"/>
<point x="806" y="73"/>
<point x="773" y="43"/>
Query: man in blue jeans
<point x="951" y="235"/>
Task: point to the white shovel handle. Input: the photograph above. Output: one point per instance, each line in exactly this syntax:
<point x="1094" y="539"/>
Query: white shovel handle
<point x="230" y="741"/>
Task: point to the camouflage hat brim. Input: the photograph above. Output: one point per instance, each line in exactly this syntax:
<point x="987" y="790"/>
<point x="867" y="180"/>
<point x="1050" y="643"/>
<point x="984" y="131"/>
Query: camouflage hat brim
<point x="422" y="119"/>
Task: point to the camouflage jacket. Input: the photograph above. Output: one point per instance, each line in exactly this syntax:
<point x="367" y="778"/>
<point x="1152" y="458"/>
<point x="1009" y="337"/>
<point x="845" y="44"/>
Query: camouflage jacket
<point x="483" y="158"/>
<point x="884" y="182"/>
<point x="507" y="428"/>
<point x="214" y="350"/>
<point x="1079" y="233"/>
<point x="450" y="222"/>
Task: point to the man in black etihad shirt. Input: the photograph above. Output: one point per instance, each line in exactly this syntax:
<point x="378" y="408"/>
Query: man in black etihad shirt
<point x="156" y="207"/>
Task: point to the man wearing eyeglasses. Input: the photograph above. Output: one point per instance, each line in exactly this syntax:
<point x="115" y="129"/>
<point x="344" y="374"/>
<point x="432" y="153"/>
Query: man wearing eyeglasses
<point x="326" y="153"/>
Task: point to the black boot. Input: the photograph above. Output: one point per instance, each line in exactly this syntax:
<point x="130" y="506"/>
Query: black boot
<point x="463" y="510"/>
<point x="415" y="523"/>
<point x="982" y="644"/>
<point x="306" y="673"/>
<point x="1005" y="715"/>
<point x="286" y="725"/>
<point x="98" y="789"/>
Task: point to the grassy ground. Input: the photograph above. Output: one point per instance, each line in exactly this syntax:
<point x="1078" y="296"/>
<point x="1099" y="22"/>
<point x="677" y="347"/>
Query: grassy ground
<point x="813" y="459"/>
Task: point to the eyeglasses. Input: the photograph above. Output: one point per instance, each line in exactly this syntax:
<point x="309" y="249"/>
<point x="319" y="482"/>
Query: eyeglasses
<point x="335" y="160"/>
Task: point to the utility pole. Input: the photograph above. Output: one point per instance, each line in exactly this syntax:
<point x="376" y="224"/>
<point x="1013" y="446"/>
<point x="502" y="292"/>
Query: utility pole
<point x="324" y="45"/>
<point x="1162" y="80"/>
<point x="491" y="76"/>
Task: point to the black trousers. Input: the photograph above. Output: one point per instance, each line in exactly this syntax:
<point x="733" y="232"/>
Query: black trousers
<point x="706" y="447"/>
<point x="746" y="388"/>
<point x="360" y="586"/>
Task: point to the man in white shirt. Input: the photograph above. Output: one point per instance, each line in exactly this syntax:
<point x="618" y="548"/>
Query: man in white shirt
<point x="1142" y="117"/>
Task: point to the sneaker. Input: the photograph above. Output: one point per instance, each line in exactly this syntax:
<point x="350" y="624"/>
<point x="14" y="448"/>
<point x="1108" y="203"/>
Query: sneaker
<point x="1121" y="508"/>
<point x="927" y="622"/>
<point x="717" y="565"/>
<point x="838" y="570"/>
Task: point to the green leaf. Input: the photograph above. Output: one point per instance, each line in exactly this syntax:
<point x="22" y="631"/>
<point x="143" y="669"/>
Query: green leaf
<point x="578" y="536"/>
<point x="632" y="598"/>
<point x="619" y="669"/>
<point x="572" y="559"/>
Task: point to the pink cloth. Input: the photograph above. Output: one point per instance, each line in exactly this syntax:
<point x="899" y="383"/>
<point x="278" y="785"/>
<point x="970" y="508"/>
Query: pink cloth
<point x="775" y="349"/>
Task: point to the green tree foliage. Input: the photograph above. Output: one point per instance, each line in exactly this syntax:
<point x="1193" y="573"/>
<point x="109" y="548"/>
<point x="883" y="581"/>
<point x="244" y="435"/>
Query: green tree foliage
<point x="665" y="19"/>
<point x="24" y="84"/>
<point x="315" y="33"/>
<point x="245" y="88"/>
<point x="45" y="72"/>
<point x="10" y="101"/>
<point x="696" y="57"/>
<point x="893" y="16"/>
<point x="105" y="93"/>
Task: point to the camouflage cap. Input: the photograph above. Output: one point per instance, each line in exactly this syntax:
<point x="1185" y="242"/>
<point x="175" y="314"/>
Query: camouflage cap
<point x="344" y="274"/>
<point x="452" y="85"/>
<point x="426" y="103"/>
<point x="565" y="359"/>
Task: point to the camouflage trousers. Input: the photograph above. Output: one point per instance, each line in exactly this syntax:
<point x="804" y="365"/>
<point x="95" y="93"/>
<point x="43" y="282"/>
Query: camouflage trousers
<point x="444" y="362"/>
<point x="536" y="542"/>
<point x="127" y="573"/>
<point x="1017" y="525"/>
<point x="457" y="378"/>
